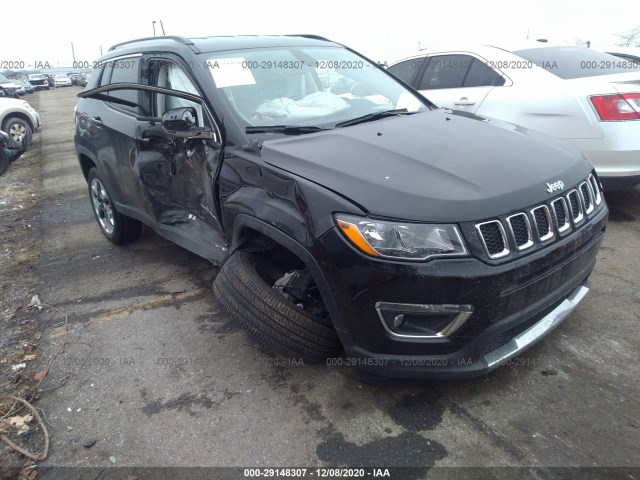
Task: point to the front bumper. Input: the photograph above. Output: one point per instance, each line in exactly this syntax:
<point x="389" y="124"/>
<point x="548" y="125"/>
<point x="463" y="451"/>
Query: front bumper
<point x="515" y="303"/>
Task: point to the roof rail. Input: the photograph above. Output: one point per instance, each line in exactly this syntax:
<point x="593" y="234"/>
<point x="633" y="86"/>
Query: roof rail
<point x="307" y="35"/>
<point x="175" y="38"/>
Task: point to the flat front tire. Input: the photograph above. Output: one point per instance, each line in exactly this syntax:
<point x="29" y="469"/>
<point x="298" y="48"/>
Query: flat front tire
<point x="276" y="323"/>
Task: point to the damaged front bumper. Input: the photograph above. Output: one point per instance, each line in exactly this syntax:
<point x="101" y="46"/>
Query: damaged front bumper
<point x="506" y="308"/>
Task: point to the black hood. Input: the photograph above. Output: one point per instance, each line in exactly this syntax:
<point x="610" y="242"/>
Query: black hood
<point x="437" y="166"/>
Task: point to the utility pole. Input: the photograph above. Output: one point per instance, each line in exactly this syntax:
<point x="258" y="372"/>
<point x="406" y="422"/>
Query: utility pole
<point x="162" y="26"/>
<point x="73" y="52"/>
<point x="154" y="27"/>
<point x="100" y="50"/>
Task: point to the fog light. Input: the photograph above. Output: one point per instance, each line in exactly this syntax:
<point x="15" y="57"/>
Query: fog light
<point x="408" y="320"/>
<point x="398" y="320"/>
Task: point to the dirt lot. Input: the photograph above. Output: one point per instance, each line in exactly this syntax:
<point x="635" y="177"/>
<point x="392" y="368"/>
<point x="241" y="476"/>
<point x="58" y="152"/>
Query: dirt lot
<point x="158" y="376"/>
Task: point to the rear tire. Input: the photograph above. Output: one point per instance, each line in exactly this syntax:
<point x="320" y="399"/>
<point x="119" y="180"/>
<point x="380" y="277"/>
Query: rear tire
<point x="119" y="229"/>
<point x="276" y="323"/>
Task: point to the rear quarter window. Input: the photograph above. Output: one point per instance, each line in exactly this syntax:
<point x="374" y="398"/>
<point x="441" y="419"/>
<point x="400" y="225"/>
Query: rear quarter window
<point x="124" y="70"/>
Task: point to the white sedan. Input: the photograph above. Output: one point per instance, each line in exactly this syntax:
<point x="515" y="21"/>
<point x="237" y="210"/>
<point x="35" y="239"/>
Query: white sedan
<point x="61" y="81"/>
<point x="588" y="98"/>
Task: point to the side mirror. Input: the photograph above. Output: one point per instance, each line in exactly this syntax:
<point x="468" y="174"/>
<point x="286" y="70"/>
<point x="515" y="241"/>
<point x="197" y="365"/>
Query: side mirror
<point x="183" y="123"/>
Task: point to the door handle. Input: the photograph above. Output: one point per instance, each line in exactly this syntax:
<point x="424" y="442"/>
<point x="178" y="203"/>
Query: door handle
<point x="464" y="101"/>
<point x="97" y="121"/>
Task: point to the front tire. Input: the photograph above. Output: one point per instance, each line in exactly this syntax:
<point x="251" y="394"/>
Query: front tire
<point x="119" y="229"/>
<point x="276" y="323"/>
<point x="19" y="130"/>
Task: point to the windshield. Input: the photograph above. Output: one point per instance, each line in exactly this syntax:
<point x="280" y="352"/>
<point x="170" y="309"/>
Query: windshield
<point x="308" y="86"/>
<point x="576" y="62"/>
<point x="4" y="79"/>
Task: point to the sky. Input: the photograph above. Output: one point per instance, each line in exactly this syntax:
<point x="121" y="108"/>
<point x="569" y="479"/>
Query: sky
<point x="382" y="30"/>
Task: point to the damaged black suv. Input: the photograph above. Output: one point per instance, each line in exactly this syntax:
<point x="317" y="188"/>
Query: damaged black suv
<point x="348" y="213"/>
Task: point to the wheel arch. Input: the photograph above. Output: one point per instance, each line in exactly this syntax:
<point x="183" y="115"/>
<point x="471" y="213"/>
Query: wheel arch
<point x="21" y="116"/>
<point x="248" y="230"/>
<point x="86" y="164"/>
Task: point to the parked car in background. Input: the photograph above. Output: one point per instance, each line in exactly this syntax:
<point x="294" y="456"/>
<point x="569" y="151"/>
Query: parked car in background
<point x="50" y="80"/>
<point x="577" y="94"/>
<point x="62" y="81"/>
<point x="28" y="88"/>
<point x="631" y="54"/>
<point x="9" y="87"/>
<point x="75" y="78"/>
<point x="346" y="211"/>
<point x="39" y="81"/>
<point x="84" y="79"/>
<point x="8" y="92"/>
<point x="18" y="119"/>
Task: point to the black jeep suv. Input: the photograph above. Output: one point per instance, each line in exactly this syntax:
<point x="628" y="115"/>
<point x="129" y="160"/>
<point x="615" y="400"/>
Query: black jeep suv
<point x="348" y="212"/>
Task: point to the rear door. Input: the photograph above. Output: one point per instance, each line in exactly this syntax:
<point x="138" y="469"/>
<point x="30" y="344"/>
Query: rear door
<point x="113" y="125"/>
<point x="457" y="81"/>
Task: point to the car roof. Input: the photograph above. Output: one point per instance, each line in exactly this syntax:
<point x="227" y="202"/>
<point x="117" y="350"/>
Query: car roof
<point x="219" y="43"/>
<point x="487" y="49"/>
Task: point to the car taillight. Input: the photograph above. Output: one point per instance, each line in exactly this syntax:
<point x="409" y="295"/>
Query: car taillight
<point x="610" y="108"/>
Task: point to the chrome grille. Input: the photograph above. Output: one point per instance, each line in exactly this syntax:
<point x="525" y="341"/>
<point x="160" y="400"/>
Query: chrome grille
<point x="595" y="188"/>
<point x="521" y="230"/>
<point x="587" y="198"/>
<point x="494" y="238"/>
<point x="576" y="206"/>
<point x="542" y="218"/>
<point x="540" y="223"/>
<point x="561" y="213"/>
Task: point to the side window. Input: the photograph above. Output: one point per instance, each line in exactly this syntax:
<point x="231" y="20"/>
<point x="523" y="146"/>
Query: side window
<point x="445" y="71"/>
<point x="170" y="75"/>
<point x="481" y="75"/>
<point x="406" y="70"/>
<point x="105" y="76"/>
<point x="126" y="70"/>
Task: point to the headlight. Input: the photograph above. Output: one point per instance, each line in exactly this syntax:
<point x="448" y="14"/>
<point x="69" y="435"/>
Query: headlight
<point x="410" y="241"/>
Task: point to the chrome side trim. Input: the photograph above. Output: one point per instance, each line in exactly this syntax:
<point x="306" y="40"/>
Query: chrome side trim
<point x="463" y="311"/>
<point x="537" y="331"/>
<point x="506" y="250"/>
<point x="529" y="243"/>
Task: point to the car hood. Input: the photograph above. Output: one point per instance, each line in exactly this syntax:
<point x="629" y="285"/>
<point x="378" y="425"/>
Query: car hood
<point x="11" y="103"/>
<point x="437" y="166"/>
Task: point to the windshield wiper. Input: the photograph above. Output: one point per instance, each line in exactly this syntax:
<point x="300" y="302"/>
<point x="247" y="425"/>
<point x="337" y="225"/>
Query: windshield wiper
<point x="286" y="129"/>
<point x="370" y="117"/>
